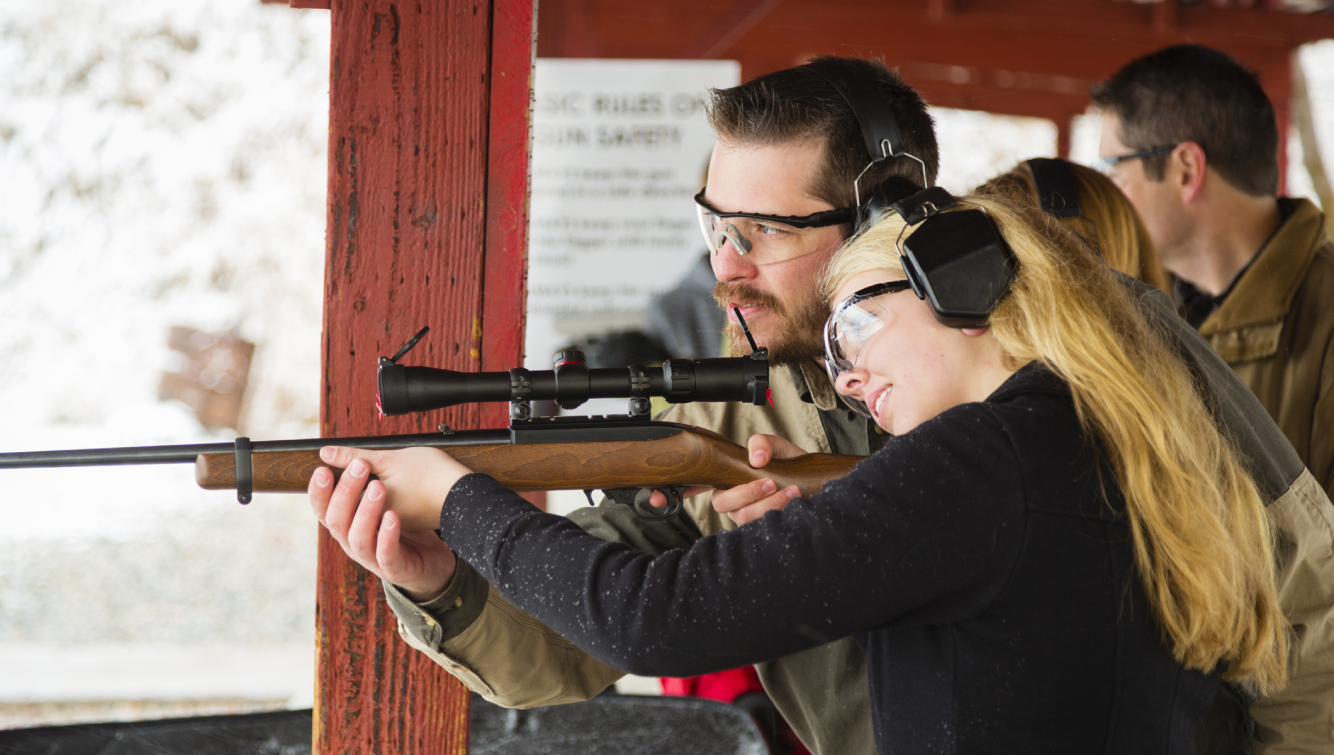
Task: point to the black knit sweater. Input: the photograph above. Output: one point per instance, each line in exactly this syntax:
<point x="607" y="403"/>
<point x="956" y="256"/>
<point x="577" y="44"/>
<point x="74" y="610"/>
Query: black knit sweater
<point x="982" y="560"/>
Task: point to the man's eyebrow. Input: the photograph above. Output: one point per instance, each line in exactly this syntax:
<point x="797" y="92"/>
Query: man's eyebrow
<point x="774" y="215"/>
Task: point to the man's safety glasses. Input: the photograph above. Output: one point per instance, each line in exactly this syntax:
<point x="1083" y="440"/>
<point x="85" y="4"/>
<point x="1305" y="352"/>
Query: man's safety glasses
<point x="851" y="325"/>
<point x="1106" y="164"/>
<point x="764" y="239"/>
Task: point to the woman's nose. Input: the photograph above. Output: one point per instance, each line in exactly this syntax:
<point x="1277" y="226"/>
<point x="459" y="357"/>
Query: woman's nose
<point x="850" y="383"/>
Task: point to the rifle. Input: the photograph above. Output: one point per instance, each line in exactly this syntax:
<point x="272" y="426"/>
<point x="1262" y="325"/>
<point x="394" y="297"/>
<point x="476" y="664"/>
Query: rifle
<point x="628" y="457"/>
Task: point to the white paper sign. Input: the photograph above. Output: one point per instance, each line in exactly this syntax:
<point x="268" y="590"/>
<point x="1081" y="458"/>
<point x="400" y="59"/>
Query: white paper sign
<point x="619" y="150"/>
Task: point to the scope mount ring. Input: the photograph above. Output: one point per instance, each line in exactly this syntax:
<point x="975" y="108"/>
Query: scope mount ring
<point x="521" y="391"/>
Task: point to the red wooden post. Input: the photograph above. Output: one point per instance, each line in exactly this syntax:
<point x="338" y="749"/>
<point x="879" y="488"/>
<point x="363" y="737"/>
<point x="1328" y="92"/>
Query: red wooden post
<point x="427" y="215"/>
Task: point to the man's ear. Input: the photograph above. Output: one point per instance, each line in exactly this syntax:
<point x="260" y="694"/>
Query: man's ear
<point x="1187" y="165"/>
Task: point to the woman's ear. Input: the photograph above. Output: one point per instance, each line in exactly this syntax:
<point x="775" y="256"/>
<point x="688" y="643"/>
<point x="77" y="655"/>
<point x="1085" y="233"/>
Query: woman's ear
<point x="973" y="331"/>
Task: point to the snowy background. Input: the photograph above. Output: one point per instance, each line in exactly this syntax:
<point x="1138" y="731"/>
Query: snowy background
<point x="163" y="165"/>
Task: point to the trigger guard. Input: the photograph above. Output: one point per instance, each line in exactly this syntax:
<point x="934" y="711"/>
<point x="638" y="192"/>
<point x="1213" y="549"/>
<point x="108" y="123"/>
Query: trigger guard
<point x="645" y="510"/>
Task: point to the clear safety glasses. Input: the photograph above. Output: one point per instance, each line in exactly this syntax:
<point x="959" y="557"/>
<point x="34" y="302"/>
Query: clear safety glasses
<point x="851" y="325"/>
<point x="1106" y="165"/>
<point x="764" y="239"/>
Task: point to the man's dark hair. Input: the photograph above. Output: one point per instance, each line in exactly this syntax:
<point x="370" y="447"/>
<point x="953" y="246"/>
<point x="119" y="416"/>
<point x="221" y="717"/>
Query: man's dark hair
<point x="1192" y="93"/>
<point x="796" y="105"/>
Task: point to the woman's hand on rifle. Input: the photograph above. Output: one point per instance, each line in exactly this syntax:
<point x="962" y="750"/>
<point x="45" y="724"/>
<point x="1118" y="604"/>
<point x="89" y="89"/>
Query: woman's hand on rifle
<point x="387" y="524"/>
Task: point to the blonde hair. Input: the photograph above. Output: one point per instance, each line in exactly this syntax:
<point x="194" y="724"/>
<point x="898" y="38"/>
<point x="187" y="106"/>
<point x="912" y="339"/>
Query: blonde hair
<point x="1200" y="536"/>
<point x="1107" y="220"/>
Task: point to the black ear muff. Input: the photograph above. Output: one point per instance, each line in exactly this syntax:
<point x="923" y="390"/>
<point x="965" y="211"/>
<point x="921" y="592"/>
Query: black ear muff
<point x="1058" y="193"/>
<point x="923" y="204"/>
<point x="957" y="261"/>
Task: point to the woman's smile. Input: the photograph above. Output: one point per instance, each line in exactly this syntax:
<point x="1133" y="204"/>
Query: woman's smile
<point x="878" y="404"/>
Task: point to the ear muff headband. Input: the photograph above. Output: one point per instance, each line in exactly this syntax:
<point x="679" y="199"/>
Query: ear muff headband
<point x="891" y="190"/>
<point x="879" y="128"/>
<point x="1057" y="190"/>
<point x="880" y="132"/>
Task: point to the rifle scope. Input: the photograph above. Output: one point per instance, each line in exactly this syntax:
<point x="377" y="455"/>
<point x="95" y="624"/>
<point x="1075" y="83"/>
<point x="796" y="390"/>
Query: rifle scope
<point x="571" y="383"/>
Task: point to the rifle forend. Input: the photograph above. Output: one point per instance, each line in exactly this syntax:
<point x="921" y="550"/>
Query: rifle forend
<point x="665" y="455"/>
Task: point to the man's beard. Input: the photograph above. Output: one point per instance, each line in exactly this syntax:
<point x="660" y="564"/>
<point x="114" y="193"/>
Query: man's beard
<point x="799" y="337"/>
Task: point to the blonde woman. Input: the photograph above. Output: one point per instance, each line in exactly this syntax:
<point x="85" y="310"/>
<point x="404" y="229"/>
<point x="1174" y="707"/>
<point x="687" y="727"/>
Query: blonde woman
<point x="1299" y="717"/>
<point x="1057" y="552"/>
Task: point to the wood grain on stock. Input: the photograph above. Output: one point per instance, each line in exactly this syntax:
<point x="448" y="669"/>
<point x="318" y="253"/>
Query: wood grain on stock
<point x="690" y="457"/>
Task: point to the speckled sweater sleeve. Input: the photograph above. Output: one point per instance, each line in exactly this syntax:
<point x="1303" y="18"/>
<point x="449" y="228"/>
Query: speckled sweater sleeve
<point x="923" y="531"/>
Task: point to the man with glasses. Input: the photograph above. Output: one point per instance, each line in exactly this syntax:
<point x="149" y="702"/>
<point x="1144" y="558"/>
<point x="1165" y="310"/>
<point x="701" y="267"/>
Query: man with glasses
<point x="1191" y="138"/>
<point x="784" y="182"/>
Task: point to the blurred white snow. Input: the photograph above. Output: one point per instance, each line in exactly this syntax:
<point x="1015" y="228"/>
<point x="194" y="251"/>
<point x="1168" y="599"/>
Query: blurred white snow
<point x="164" y="164"/>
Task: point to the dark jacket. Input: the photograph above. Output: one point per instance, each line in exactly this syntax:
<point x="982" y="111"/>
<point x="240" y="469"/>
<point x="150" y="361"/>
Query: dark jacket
<point x="982" y="560"/>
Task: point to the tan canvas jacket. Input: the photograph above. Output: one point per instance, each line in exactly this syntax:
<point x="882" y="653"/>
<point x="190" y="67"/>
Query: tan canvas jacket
<point x="513" y="660"/>
<point x="1276" y="330"/>
<point x="1299" y="719"/>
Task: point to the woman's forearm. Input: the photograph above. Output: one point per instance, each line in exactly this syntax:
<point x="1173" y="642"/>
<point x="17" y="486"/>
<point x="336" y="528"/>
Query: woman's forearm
<point x="840" y="563"/>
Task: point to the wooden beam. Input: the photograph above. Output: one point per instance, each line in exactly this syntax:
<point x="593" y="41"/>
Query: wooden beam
<point x="1165" y="16"/>
<point x="1051" y="36"/>
<point x="1018" y="57"/>
<point x="939" y="10"/>
<point x="1117" y="19"/>
<point x="411" y="241"/>
<point x="508" y="152"/>
<point x="551" y="20"/>
<point x="738" y="20"/>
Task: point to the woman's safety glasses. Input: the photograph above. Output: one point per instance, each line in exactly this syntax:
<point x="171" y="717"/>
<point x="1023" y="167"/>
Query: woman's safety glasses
<point x="764" y="239"/>
<point x="850" y="326"/>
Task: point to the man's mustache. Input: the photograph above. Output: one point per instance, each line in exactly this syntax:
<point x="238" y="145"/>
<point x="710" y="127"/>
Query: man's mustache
<point x="727" y="294"/>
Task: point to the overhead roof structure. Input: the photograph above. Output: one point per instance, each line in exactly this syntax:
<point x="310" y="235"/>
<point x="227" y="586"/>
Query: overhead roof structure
<point x="1015" y="57"/>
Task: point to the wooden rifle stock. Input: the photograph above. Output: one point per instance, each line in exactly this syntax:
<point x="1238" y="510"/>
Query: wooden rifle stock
<point x="626" y="458"/>
<point x="690" y="456"/>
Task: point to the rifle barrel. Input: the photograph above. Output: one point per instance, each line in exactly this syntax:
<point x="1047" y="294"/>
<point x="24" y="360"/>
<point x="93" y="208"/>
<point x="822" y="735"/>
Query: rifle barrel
<point x="186" y="454"/>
